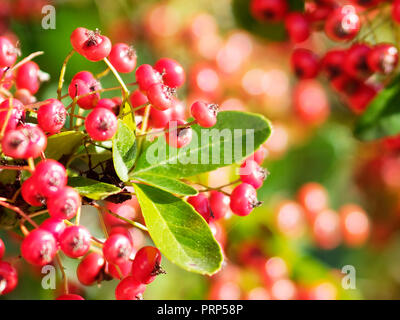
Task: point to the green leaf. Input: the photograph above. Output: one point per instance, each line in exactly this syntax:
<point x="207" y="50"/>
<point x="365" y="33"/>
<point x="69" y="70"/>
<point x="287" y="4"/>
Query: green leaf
<point x="63" y="143"/>
<point x="128" y="117"/>
<point x="166" y="184"/>
<point x="180" y="233"/>
<point x="269" y="31"/>
<point x="382" y="118"/>
<point x="124" y="150"/>
<point x="92" y="189"/>
<point x="220" y="146"/>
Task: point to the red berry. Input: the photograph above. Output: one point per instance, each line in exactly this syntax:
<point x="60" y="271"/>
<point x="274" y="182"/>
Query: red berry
<point x="326" y="229"/>
<point x="354" y="224"/>
<point x="244" y="199"/>
<point x="39" y="247"/>
<point x="27" y="77"/>
<point x="159" y="119"/>
<point x="16" y="117"/>
<point x="75" y="241"/>
<point x="15" y="144"/>
<point x="361" y="97"/>
<point x="314" y="199"/>
<point x="90" y="268"/>
<point x="8" y="53"/>
<point x="173" y="74"/>
<point x="82" y="84"/>
<point x="146" y="265"/>
<point x="55" y="226"/>
<point x="36" y="138"/>
<point x="160" y="96"/>
<point x="30" y="193"/>
<point x="51" y="116"/>
<point x="269" y="10"/>
<point x="178" y="137"/>
<point x="396" y="11"/>
<point x="127" y="209"/>
<point x="64" y="204"/>
<point x="201" y="204"/>
<point x="252" y="173"/>
<point x="117" y="249"/>
<point x="305" y="63"/>
<point x="91" y="44"/>
<point x="70" y="296"/>
<point x="355" y="63"/>
<point x="343" y="24"/>
<point x="8" y="278"/>
<point x="383" y="58"/>
<point x="138" y="99"/>
<point x="297" y="27"/>
<point x="123" y="57"/>
<point x="219" y="205"/>
<point x="259" y="155"/>
<point x="2" y="249"/>
<point x="107" y="104"/>
<point x="146" y="76"/>
<point x="332" y="63"/>
<point x="119" y="271"/>
<point x="50" y="176"/>
<point x="129" y="289"/>
<point x="205" y="114"/>
<point x="101" y="124"/>
<point x="317" y="11"/>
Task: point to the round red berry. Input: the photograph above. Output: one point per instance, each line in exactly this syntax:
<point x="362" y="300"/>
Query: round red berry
<point x="129" y="289"/>
<point x="101" y="124"/>
<point x="332" y="63"/>
<point x="269" y="10"/>
<point x="90" y="268"/>
<point x="64" y="204"/>
<point x="205" y="114"/>
<point x="146" y="76"/>
<point x="8" y="53"/>
<point x="37" y="140"/>
<point x="146" y="265"/>
<point x="117" y="249"/>
<point x="244" y="199"/>
<point x="30" y="193"/>
<point x="160" y="96"/>
<point x="305" y="63"/>
<point x="55" y="226"/>
<point x="178" y="135"/>
<point x="123" y="57"/>
<point x="107" y="104"/>
<point x="82" y="84"/>
<point x="50" y="176"/>
<point x="219" y="205"/>
<point x="355" y="63"/>
<point x="15" y="144"/>
<point x="383" y="58"/>
<point x="252" y="173"/>
<point x="27" y="77"/>
<point x="138" y="99"/>
<point x="8" y="278"/>
<point x="91" y="44"/>
<point x="39" y="247"/>
<point x="201" y="204"/>
<point x="297" y="27"/>
<point x="16" y="117"/>
<point x="343" y="24"/>
<point x="51" y="116"/>
<point x="173" y="74"/>
<point x="75" y="241"/>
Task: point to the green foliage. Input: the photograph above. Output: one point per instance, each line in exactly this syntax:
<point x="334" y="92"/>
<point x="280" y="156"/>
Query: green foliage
<point x="92" y="189"/>
<point x="63" y="144"/>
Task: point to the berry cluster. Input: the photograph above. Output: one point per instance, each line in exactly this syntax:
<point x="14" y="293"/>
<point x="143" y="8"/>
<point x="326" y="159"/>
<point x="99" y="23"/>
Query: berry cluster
<point x="327" y="227"/>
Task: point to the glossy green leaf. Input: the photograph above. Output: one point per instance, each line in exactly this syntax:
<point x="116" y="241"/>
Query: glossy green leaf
<point x="269" y="31"/>
<point x="180" y="233"/>
<point x="235" y="136"/>
<point x="128" y="116"/>
<point x="63" y="143"/>
<point x="92" y="189"/>
<point x="166" y="184"/>
<point x="124" y="150"/>
<point x="382" y="118"/>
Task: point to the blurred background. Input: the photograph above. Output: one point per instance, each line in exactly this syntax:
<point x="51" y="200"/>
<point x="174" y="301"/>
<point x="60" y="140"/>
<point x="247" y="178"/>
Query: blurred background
<point x="287" y="248"/>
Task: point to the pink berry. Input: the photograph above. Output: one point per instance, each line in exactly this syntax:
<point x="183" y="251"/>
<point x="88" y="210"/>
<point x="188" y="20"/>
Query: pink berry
<point x="39" y="247"/>
<point x="252" y="173"/>
<point x="219" y="205"/>
<point x="101" y="124"/>
<point x="160" y="96"/>
<point x="8" y="53"/>
<point x="16" y="117"/>
<point x="15" y="144"/>
<point x="146" y="265"/>
<point x="129" y="289"/>
<point x="78" y="38"/>
<point x="90" y="268"/>
<point x="8" y="278"/>
<point x="117" y="249"/>
<point x="297" y="27"/>
<point x="343" y="24"/>
<point x="123" y="57"/>
<point x="91" y="44"/>
<point x="64" y="204"/>
<point x="138" y="99"/>
<point x="173" y="74"/>
<point x="82" y="84"/>
<point x="27" y="77"/>
<point x="30" y="193"/>
<point x="37" y="140"/>
<point x="176" y="135"/>
<point x="146" y="76"/>
<point x="268" y="10"/>
<point x="305" y="63"/>
<point x="75" y="241"/>
<point x="205" y="114"/>
<point x="259" y="155"/>
<point x="55" y="226"/>
<point x="244" y="199"/>
<point x="50" y="176"/>
<point x="201" y="204"/>
<point x="107" y="104"/>
<point x="51" y="116"/>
